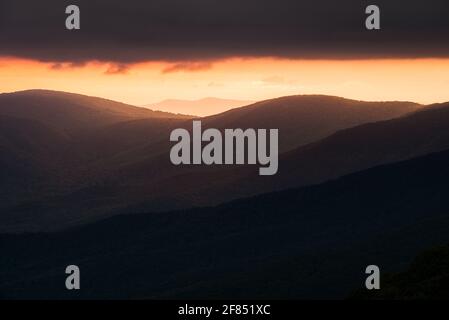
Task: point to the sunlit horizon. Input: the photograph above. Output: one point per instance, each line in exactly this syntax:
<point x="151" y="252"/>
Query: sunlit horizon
<point x="423" y="81"/>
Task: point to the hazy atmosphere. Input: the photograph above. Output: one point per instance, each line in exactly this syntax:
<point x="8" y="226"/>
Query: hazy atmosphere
<point x="201" y="149"/>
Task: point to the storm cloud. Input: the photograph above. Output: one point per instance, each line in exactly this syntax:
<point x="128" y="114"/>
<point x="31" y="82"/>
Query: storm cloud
<point x="185" y="31"/>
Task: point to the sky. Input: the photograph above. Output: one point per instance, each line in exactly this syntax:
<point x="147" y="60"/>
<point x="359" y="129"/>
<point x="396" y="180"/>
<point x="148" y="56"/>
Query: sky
<point x="140" y="52"/>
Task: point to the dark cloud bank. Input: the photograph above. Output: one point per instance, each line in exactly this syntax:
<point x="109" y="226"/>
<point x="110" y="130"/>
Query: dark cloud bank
<point x="191" y="30"/>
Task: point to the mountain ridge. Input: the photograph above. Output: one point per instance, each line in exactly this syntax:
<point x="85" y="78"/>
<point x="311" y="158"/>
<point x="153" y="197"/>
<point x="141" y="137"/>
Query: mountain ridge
<point x="113" y="165"/>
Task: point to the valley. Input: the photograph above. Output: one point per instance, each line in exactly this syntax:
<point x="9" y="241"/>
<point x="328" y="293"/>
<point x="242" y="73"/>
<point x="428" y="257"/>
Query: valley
<point x="311" y="242"/>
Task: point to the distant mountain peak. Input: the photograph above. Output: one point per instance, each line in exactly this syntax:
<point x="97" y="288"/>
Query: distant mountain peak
<point x="199" y="107"/>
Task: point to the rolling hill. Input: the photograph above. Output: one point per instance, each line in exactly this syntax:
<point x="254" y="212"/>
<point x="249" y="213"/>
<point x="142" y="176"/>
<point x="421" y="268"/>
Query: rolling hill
<point x="427" y="278"/>
<point x="45" y="142"/>
<point x="71" y="113"/>
<point x="346" y="151"/>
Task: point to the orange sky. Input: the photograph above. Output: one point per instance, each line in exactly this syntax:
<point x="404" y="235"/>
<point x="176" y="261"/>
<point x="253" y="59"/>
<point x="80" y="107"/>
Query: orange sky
<point x="420" y="80"/>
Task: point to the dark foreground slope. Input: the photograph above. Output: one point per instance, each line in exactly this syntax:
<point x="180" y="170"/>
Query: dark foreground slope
<point x="312" y="242"/>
